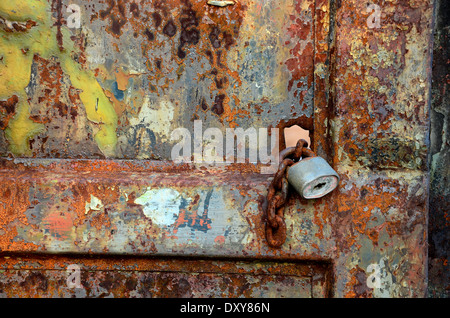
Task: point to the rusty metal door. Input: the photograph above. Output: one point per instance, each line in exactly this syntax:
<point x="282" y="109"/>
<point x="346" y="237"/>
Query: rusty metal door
<point x="92" y="91"/>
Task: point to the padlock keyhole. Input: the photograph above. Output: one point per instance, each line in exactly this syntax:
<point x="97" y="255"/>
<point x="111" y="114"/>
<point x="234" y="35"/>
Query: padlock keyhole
<point x="319" y="186"/>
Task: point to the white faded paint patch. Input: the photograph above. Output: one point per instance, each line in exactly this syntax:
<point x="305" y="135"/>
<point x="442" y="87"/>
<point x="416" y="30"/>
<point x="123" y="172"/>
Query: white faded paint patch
<point x="157" y="116"/>
<point x="94" y="48"/>
<point x="161" y="205"/>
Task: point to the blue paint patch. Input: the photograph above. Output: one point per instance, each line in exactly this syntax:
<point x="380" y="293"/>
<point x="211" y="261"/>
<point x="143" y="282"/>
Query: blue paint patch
<point x="118" y="94"/>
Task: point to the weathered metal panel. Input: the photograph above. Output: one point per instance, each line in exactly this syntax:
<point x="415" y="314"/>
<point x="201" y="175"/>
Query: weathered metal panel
<point x="380" y="134"/>
<point x="195" y="212"/>
<point x="136" y="70"/>
<point x="156" y="278"/>
<point x="118" y="86"/>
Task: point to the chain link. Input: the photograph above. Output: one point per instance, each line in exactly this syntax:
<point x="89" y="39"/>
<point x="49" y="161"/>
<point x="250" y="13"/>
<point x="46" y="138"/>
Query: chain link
<point x="278" y="191"/>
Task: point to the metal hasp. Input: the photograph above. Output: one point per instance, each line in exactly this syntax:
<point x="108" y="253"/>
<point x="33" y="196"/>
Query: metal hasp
<point x="312" y="177"/>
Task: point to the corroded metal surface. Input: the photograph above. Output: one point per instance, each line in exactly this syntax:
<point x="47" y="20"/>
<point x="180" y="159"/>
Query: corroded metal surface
<point x="380" y="130"/>
<point x="119" y="277"/>
<point x="135" y="70"/>
<point x="77" y="210"/>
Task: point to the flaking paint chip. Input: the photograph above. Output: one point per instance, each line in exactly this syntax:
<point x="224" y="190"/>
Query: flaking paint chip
<point x="95" y="204"/>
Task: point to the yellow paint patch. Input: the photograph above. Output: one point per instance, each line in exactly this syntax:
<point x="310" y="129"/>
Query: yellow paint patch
<point x="15" y="72"/>
<point x="98" y="107"/>
<point x="22" y="10"/>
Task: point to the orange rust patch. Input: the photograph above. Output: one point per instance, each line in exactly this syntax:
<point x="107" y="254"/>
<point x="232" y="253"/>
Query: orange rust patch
<point x="14" y="201"/>
<point x="58" y="224"/>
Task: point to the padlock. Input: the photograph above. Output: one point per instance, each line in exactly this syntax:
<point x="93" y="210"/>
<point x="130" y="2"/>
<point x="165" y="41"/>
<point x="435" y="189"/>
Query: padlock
<point x="312" y="177"/>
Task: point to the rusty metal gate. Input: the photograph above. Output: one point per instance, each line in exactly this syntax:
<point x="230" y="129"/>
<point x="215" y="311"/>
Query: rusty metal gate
<point x="90" y="95"/>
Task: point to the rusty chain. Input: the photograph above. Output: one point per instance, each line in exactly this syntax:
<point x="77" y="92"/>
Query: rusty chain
<point x="278" y="190"/>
